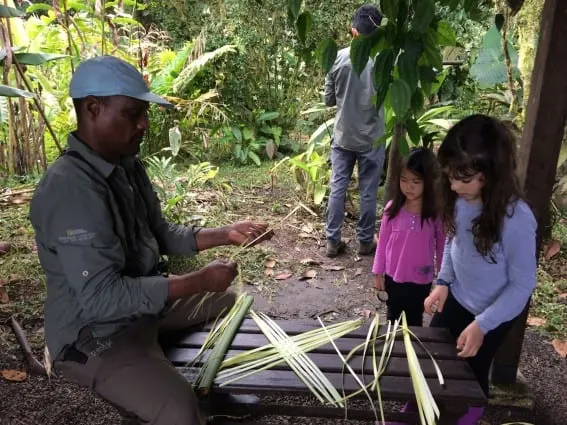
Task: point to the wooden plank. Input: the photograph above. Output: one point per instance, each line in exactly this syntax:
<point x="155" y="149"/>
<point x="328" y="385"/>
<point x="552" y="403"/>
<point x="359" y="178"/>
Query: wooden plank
<point x="345" y="345"/>
<point x="297" y="326"/>
<point x="331" y="363"/>
<point x="392" y="388"/>
<point x="308" y="411"/>
<point x="540" y="146"/>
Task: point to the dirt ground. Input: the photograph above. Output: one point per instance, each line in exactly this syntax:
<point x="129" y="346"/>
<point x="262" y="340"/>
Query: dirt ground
<point x="340" y="289"/>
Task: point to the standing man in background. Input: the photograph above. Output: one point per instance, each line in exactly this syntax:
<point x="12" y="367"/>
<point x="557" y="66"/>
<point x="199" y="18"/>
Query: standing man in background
<point x="358" y="124"/>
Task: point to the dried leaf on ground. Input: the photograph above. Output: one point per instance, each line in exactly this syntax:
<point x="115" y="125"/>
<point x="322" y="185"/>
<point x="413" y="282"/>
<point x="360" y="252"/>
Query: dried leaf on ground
<point x="271" y="263"/>
<point x="14" y="278"/>
<point x="307" y="228"/>
<point x="5" y="248"/>
<point x="358" y="272"/>
<point x="283" y="276"/>
<point x="19" y="200"/>
<point x="334" y="268"/>
<point x="560" y="346"/>
<point x="4" y="298"/>
<point x="310" y="262"/>
<point x="551" y="249"/>
<point x="309" y="274"/>
<point x="536" y="321"/>
<point x="269" y="272"/>
<point x="14" y="375"/>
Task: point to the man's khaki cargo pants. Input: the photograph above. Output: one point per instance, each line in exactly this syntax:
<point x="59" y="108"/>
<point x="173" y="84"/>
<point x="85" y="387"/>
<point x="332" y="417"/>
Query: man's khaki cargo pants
<point x="130" y="370"/>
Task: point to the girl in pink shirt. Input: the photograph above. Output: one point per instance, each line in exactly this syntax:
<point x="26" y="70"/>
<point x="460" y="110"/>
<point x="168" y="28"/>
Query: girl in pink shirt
<point x="411" y="239"/>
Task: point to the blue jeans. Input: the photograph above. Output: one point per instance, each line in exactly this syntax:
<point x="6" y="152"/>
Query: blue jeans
<point x="370" y="165"/>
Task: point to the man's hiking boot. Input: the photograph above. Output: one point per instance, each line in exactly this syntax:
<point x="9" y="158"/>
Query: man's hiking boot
<point x="367" y="248"/>
<point x="238" y="406"/>
<point x="335" y="248"/>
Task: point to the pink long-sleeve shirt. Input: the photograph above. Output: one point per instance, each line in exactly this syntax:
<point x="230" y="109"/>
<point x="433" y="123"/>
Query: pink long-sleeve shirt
<point x="406" y="249"/>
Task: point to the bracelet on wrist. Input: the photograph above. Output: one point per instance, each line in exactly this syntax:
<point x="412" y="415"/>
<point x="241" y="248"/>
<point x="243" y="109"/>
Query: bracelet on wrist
<point x="441" y="282"/>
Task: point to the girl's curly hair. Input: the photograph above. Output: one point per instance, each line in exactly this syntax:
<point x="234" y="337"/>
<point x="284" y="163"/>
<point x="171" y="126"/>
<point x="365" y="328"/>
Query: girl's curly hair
<point x="481" y="144"/>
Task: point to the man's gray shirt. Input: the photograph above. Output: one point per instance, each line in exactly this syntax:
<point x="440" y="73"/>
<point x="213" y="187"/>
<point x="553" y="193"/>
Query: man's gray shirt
<point x="99" y="233"/>
<point x="358" y="123"/>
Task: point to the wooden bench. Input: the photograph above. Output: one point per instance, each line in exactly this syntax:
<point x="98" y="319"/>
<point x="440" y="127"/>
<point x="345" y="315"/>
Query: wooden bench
<point x="460" y="391"/>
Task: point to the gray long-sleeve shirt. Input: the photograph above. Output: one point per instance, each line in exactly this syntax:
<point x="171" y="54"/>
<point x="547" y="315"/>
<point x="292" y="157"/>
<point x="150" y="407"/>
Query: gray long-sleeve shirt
<point x="99" y="233"/>
<point x="358" y="123"/>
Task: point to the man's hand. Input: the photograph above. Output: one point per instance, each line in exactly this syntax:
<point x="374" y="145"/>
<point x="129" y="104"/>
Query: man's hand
<point x="245" y="232"/>
<point x="470" y="340"/>
<point x="218" y="275"/>
<point x="436" y="300"/>
<point x="379" y="282"/>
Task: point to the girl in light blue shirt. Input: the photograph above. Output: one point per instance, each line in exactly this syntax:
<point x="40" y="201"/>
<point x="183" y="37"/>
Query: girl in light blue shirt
<point x="489" y="265"/>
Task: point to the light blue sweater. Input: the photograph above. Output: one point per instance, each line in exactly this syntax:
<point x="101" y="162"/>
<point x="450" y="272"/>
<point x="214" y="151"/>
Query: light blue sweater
<point x="494" y="293"/>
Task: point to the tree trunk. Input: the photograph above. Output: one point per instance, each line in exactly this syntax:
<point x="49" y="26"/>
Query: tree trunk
<point x="528" y="23"/>
<point x="393" y="163"/>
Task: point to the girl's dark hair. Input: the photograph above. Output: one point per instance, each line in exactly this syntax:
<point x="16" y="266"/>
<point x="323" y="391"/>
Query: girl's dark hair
<point x="481" y="144"/>
<point x="366" y="19"/>
<point x="422" y="163"/>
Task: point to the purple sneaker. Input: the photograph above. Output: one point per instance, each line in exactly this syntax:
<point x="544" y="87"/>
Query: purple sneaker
<point x="473" y="416"/>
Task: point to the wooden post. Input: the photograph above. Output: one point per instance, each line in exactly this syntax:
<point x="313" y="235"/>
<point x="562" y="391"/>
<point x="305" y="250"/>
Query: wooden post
<point x="539" y="152"/>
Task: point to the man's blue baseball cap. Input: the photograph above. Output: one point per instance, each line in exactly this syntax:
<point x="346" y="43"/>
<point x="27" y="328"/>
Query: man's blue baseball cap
<point x="110" y="76"/>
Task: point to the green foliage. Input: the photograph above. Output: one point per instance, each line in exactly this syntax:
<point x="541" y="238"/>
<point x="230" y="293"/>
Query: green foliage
<point x="312" y="175"/>
<point x="407" y="57"/>
<point x="274" y="66"/>
<point x="177" y="75"/>
<point x="327" y="53"/>
<point x="32" y="58"/>
<point x="174" y="188"/>
<point x="43" y="40"/>
<point x="311" y="169"/>
<point x="181" y="21"/>
<point x="9" y="12"/>
<point x="423" y="16"/>
<point x="163" y="81"/>
<point x="400" y="97"/>
<point x="427" y="129"/>
<point x="251" y="143"/>
<point x="360" y="52"/>
<point x="408" y="51"/>
<point x="270" y="71"/>
<point x="383" y="68"/>
<point x="8" y="91"/>
<point x="547" y="304"/>
<point x="489" y="68"/>
<point x="304" y="24"/>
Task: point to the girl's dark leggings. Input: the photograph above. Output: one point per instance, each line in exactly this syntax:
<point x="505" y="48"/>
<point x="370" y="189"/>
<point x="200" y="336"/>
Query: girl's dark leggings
<point x="408" y="297"/>
<point x="456" y="318"/>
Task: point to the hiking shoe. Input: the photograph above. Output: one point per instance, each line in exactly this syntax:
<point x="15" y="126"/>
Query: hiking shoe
<point x="335" y="248"/>
<point x="367" y="248"/>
